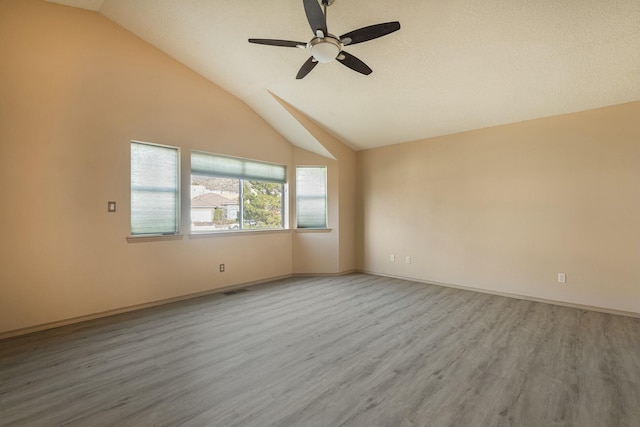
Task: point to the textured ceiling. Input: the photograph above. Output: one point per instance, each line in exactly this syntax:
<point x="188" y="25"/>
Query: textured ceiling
<point x="455" y="65"/>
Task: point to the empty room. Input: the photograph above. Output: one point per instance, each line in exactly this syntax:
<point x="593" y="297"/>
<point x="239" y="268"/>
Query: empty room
<point x="320" y="213"/>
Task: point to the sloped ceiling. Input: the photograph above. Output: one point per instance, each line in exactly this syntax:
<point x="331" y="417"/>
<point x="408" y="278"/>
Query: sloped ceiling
<point x="455" y="65"/>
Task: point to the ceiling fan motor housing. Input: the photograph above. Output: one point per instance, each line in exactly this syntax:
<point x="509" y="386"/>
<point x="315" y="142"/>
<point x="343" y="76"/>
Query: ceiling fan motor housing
<point x="325" y="49"/>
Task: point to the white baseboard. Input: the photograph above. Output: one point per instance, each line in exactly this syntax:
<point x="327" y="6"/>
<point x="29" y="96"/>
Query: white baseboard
<point x="79" y="319"/>
<point x="510" y="295"/>
<point x="65" y="322"/>
<point x="341" y="273"/>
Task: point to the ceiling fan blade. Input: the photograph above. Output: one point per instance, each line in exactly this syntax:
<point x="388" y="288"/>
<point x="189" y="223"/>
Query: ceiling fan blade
<point x="284" y="43"/>
<point x="369" y="33"/>
<point x="316" y="18"/>
<point x="307" y="67"/>
<point x="354" y="63"/>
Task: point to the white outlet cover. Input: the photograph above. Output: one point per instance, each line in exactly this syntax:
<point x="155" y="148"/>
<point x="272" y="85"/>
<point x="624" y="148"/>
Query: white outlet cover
<point x="562" y="278"/>
<point x="408" y="260"/>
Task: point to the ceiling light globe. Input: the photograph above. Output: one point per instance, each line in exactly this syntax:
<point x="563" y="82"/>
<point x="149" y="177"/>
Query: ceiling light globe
<point x="325" y="50"/>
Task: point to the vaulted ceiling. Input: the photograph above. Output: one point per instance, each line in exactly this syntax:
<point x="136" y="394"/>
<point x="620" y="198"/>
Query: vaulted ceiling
<point x="455" y="65"/>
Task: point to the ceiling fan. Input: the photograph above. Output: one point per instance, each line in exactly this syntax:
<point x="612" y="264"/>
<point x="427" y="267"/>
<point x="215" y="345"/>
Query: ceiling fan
<point x="326" y="47"/>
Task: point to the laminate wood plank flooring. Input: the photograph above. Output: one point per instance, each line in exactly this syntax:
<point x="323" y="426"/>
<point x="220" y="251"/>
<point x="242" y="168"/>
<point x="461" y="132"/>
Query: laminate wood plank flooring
<point x="357" y="350"/>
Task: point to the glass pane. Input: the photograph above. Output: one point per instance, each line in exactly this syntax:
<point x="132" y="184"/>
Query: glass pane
<point x="262" y="203"/>
<point x="215" y="203"/>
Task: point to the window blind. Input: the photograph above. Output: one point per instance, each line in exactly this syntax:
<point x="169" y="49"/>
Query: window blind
<point x="155" y="187"/>
<point x="233" y="167"/>
<point x="311" y="196"/>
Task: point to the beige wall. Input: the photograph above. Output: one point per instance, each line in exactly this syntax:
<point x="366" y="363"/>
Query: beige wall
<point x="506" y="209"/>
<point x="317" y="251"/>
<point x="74" y="90"/>
<point x="503" y="209"/>
<point x="332" y="251"/>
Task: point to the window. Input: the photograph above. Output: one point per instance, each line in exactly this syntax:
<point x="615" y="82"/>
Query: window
<point x="311" y="196"/>
<point x="155" y="183"/>
<point x="229" y="193"/>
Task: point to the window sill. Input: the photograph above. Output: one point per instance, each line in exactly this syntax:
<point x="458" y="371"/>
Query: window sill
<point x="153" y="238"/>
<point x="314" y="230"/>
<point x="226" y="233"/>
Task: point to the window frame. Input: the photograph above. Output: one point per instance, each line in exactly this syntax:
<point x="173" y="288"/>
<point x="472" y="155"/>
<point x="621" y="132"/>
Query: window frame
<point x="177" y="193"/>
<point x="283" y="181"/>
<point x="325" y="198"/>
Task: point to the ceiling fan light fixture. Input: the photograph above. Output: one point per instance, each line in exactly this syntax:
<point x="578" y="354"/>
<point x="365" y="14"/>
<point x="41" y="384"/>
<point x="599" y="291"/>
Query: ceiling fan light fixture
<point x="325" y="49"/>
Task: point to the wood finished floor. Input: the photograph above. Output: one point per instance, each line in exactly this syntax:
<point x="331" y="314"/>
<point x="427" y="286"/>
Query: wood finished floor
<point x="357" y="350"/>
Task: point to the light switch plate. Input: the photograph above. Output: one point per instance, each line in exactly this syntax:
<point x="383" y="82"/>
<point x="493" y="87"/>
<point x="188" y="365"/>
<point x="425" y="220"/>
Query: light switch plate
<point x="111" y="206"/>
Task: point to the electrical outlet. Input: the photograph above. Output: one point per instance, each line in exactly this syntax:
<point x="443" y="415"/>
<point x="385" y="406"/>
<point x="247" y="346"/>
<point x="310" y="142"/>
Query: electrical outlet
<point x="221" y="268"/>
<point x="392" y="258"/>
<point x="408" y="260"/>
<point x="562" y="278"/>
<point x="111" y="206"/>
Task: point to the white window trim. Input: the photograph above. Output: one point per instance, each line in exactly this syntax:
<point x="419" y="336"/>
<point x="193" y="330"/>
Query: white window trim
<point x="136" y="238"/>
<point x="285" y="198"/>
<point x="326" y="199"/>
